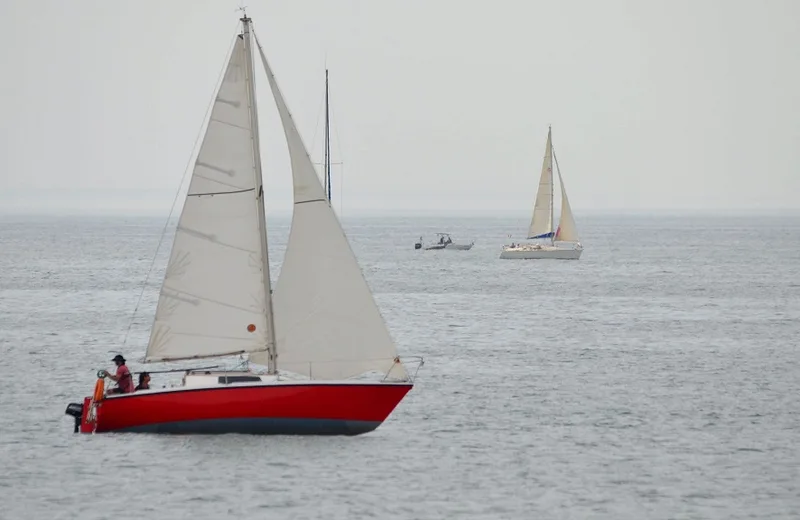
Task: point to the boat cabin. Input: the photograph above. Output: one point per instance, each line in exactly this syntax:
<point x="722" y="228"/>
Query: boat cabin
<point x="207" y="378"/>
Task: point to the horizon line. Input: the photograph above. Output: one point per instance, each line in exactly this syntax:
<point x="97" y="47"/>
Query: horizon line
<point x="429" y="213"/>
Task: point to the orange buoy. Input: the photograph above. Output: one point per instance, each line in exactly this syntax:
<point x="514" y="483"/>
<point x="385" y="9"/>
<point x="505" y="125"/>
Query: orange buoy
<point x="99" y="389"/>
<point x="251" y="328"/>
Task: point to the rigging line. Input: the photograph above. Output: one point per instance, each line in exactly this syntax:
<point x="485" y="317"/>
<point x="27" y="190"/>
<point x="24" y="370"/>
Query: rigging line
<point x="341" y="161"/>
<point x="319" y="111"/>
<point x="336" y="129"/>
<point x="321" y="103"/>
<point x="555" y="159"/>
<point x="192" y="156"/>
<point x="341" y="191"/>
<point x="319" y="116"/>
<point x="558" y="169"/>
<point x="316" y="128"/>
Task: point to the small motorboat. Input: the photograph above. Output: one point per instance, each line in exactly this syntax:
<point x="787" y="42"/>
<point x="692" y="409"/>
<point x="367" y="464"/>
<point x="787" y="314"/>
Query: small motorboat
<point x="444" y="242"/>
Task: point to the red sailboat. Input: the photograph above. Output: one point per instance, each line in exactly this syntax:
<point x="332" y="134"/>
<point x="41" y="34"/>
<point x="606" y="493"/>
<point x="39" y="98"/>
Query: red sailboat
<point x="317" y="333"/>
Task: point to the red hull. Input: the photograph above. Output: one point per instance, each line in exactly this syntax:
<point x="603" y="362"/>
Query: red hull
<point x="283" y="408"/>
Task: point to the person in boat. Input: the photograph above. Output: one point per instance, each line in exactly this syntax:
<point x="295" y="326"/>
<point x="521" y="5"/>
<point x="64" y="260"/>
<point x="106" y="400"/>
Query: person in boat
<point x="144" y="381"/>
<point x="441" y="240"/>
<point x="122" y="377"/>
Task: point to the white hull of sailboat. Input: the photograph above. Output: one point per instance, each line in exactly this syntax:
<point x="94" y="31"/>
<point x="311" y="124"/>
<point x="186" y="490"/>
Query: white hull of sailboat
<point x="535" y="252"/>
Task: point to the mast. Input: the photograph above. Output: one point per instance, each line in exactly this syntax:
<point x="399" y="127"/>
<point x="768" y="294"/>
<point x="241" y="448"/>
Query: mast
<point x="327" y="166"/>
<point x="552" y="188"/>
<point x="259" y="182"/>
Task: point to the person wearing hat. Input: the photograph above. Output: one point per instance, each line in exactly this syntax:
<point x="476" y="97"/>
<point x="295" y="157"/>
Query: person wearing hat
<point x="122" y="377"/>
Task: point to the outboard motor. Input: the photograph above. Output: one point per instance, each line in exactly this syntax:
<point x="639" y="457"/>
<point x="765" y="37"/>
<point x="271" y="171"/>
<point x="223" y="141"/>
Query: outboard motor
<point x="75" y="410"/>
<point x="417" y="246"/>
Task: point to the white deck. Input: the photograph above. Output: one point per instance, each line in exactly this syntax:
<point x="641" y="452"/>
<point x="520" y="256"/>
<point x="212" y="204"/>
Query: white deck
<point x="540" y="252"/>
<point x="205" y="379"/>
<point x="216" y="379"/>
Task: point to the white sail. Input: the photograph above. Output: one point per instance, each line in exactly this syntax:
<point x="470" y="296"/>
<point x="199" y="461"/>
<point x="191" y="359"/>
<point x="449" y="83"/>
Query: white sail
<point x="542" y="220"/>
<point x="213" y="301"/>
<point x="326" y="321"/>
<point x="567" y="231"/>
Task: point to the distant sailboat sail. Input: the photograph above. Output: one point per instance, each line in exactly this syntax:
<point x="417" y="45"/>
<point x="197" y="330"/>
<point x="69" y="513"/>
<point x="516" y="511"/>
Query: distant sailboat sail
<point x="567" y="231"/>
<point x="542" y="219"/>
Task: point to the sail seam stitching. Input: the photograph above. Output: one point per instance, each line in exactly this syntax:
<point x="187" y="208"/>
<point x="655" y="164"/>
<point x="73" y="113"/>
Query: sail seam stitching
<point x="178" y="293"/>
<point x="219" y="193"/>
<point x="228" y="123"/>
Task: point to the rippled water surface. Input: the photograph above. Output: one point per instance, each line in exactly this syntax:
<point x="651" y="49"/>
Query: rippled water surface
<point x="657" y="377"/>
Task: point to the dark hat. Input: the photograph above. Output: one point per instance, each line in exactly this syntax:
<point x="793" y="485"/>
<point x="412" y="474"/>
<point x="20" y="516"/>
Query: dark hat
<point x="119" y="358"/>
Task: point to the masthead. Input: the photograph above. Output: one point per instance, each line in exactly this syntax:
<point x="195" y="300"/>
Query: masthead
<point x="243" y="9"/>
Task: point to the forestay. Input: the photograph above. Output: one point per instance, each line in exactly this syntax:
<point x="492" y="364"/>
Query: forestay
<point x="213" y="299"/>
<point x="326" y="321"/>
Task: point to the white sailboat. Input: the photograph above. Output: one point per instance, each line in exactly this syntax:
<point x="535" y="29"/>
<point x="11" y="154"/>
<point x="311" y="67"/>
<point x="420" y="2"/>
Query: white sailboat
<point x="559" y="244"/>
<point x="319" y="334"/>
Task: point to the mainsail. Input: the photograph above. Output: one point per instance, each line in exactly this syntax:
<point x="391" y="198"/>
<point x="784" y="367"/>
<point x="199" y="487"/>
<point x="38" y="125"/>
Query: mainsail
<point x="542" y="220"/>
<point x="328" y="325"/>
<point x="214" y="300"/>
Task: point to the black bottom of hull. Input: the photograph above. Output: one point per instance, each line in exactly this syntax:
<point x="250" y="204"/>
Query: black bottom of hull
<point x="259" y="426"/>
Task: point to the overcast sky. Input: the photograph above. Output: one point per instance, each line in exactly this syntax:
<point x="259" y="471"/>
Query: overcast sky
<point x="439" y="105"/>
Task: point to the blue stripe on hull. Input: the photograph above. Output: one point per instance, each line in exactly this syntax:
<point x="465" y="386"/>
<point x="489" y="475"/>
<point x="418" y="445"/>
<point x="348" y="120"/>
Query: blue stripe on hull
<point x="259" y="426"/>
